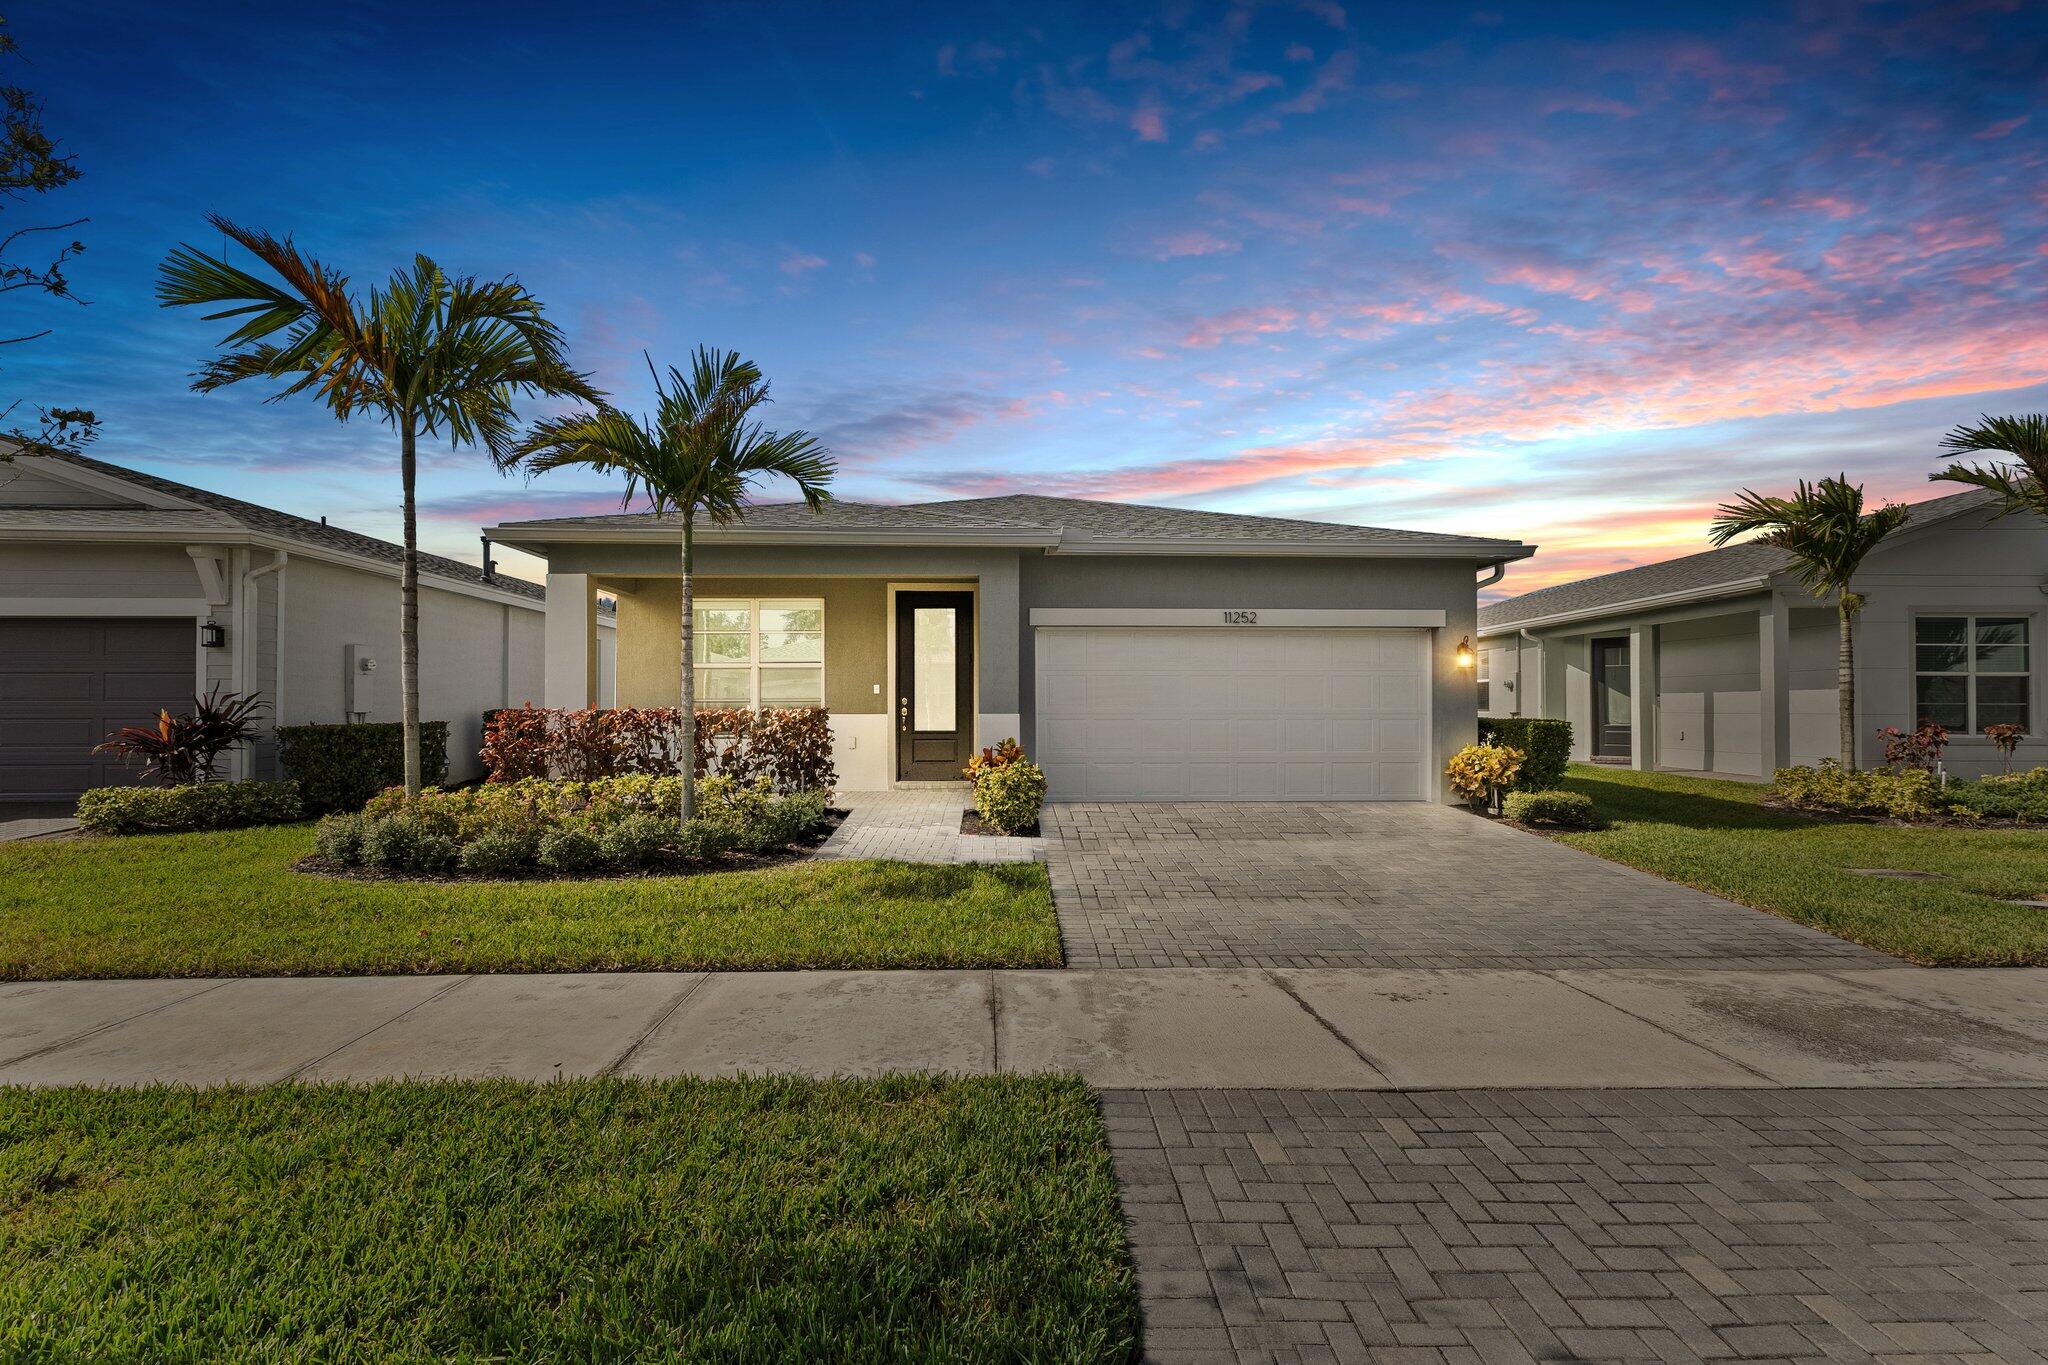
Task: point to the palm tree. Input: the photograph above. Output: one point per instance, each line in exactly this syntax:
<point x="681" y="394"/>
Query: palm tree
<point x="697" y="456"/>
<point x="1825" y="530"/>
<point x="2024" y="486"/>
<point x="430" y="355"/>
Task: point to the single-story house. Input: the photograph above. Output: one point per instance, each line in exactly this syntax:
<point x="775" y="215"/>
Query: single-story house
<point x="1138" y="653"/>
<point x="122" y="594"/>
<point x="1722" y="662"/>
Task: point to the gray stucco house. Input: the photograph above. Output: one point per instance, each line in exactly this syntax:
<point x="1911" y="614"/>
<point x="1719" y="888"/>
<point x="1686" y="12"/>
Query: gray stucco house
<point x="1139" y="653"/>
<point x="122" y="594"/>
<point x="1722" y="662"/>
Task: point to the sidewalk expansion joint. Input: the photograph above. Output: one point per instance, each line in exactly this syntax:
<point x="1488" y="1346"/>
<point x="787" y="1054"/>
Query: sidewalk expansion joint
<point x="308" y="1065"/>
<point x="1355" y="1050"/>
<point x="666" y="1013"/>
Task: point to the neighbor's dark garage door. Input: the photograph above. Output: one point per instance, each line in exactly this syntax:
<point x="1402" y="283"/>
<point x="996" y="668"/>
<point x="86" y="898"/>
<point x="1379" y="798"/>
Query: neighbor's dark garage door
<point x="65" y="684"/>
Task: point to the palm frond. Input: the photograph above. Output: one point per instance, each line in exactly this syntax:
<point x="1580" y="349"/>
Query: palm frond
<point x="1822" y="527"/>
<point x="2021" y="486"/>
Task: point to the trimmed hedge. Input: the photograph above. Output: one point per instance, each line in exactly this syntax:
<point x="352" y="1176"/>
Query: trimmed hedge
<point x="196" y="806"/>
<point x="791" y="746"/>
<point x="340" y="767"/>
<point x="1546" y="747"/>
<point x="1566" y="810"/>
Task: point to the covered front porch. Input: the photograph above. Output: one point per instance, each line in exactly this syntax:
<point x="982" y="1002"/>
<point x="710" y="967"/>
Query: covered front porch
<point x="918" y="671"/>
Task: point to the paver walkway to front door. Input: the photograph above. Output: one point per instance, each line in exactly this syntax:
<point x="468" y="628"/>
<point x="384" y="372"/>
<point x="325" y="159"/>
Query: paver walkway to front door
<point x="1404" y="884"/>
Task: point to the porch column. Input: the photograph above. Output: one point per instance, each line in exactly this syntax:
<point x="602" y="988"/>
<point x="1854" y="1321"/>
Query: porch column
<point x="999" y="635"/>
<point x="1642" y="697"/>
<point x="569" y="642"/>
<point x="1774" y="684"/>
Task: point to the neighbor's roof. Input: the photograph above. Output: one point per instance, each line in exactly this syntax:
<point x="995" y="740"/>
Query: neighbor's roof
<point x="1070" y="525"/>
<point x="217" y="510"/>
<point x="1714" y="573"/>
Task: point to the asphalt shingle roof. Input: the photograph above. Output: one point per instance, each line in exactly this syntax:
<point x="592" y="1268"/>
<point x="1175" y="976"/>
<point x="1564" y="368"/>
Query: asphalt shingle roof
<point x="257" y="518"/>
<point x="1692" y="573"/>
<point x="1034" y="512"/>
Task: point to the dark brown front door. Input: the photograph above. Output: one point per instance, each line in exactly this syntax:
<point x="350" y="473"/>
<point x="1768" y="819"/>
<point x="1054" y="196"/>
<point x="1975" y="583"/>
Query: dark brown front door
<point x="1611" y="734"/>
<point x="934" y="685"/>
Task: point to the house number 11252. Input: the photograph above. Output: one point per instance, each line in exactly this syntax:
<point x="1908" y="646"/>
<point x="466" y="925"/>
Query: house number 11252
<point x="1240" y="618"/>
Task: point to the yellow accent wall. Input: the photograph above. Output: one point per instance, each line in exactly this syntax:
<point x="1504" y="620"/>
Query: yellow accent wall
<point x="856" y="635"/>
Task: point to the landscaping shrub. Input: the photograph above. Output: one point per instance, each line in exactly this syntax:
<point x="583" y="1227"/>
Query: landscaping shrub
<point x="792" y="747"/>
<point x="629" y="823"/>
<point x="340" y="767"/>
<point x="1921" y="748"/>
<point x="1481" y="772"/>
<point x="182" y="749"/>
<point x="569" y="848"/>
<point x="1009" y="797"/>
<point x="339" y="838"/>
<point x="994" y="756"/>
<point x="499" y="853"/>
<point x="205" y="805"/>
<point x="636" y="842"/>
<point x="1911" y="793"/>
<point x="1546" y="747"/>
<point x="2015" y="796"/>
<point x="409" y="842"/>
<point x="1566" y="810"/>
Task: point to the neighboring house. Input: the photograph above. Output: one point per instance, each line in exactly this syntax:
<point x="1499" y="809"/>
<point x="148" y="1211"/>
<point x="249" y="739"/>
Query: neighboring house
<point x="1722" y="662"/>
<point x="122" y="594"/>
<point x="1139" y="653"/>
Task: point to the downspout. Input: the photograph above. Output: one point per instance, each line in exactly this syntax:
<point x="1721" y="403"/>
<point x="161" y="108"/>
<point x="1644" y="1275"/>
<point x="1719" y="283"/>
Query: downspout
<point x="1527" y="639"/>
<point x="1499" y="572"/>
<point x="243" y="647"/>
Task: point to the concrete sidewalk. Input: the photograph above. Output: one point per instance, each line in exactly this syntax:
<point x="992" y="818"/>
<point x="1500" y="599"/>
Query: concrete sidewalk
<point x="1309" y="1029"/>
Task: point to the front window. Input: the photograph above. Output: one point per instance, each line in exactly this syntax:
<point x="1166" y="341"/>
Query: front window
<point x="1971" y="671"/>
<point x="761" y="653"/>
<point x="1483" y="671"/>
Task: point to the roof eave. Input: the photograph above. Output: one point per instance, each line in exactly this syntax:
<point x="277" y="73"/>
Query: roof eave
<point x="1478" y="551"/>
<point x="534" y="539"/>
<point x="1739" y="587"/>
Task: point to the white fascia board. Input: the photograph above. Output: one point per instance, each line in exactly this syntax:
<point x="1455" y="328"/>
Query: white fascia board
<point x="1737" y="588"/>
<point x="534" y="541"/>
<point x="1480" y="552"/>
<point x="1245" y="618"/>
<point x="229" y="535"/>
<point x="105" y="606"/>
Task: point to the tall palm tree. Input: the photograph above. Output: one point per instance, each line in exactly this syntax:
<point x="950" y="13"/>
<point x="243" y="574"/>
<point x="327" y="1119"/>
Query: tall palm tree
<point x="2024" y="486"/>
<point x="1825" y="530"/>
<point x="698" y="455"/>
<point x="430" y="354"/>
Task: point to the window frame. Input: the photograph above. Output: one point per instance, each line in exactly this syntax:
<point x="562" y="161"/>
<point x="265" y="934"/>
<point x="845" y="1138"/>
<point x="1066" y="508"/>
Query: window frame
<point x="1482" y="678"/>
<point x="1970" y="617"/>
<point x="754" y="665"/>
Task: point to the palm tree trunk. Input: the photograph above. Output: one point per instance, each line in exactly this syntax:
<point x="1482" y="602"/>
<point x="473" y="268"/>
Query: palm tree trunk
<point x="1845" y="685"/>
<point x="409" y="610"/>
<point x="688" y="615"/>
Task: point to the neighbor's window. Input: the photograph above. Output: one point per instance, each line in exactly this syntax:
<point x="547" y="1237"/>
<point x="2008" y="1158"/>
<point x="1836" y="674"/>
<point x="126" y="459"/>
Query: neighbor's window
<point x="1971" y="671"/>
<point x="762" y="652"/>
<point x="1483" y="670"/>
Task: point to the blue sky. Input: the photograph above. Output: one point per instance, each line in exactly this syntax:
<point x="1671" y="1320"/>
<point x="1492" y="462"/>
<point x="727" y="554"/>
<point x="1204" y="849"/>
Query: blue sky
<point x="1477" y="269"/>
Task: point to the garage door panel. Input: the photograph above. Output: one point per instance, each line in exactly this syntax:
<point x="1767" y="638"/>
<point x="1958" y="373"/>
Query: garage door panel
<point x="1238" y="715"/>
<point x="67" y="684"/>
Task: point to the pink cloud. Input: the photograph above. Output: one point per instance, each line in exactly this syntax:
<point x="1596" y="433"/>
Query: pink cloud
<point x="1193" y="242"/>
<point x="1149" y="123"/>
<point x="2003" y="128"/>
<point x="1239" y="324"/>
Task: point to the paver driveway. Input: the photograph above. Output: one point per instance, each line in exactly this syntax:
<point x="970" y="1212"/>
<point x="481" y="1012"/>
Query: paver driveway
<point x="1381" y="885"/>
<point x="1556" y="1225"/>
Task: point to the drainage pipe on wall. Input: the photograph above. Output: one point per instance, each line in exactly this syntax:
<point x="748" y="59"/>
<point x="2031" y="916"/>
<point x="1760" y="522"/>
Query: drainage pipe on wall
<point x="244" y="645"/>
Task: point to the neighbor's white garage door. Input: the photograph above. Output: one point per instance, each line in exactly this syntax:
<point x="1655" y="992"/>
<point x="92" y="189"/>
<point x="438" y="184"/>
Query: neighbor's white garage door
<point x="1173" y="714"/>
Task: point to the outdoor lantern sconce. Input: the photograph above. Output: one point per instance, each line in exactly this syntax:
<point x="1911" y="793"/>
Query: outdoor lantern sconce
<point x="212" y="636"/>
<point x="1465" y="659"/>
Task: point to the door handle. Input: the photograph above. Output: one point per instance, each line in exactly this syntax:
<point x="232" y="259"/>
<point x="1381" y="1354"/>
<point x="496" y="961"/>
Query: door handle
<point x="903" y="713"/>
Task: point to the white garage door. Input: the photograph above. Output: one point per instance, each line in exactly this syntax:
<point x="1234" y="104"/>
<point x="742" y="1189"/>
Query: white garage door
<point x="1168" y="714"/>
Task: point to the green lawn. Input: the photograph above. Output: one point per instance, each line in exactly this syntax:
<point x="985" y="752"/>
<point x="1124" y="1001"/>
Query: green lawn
<point x="906" y="1218"/>
<point x="1719" y="837"/>
<point x="229" y="904"/>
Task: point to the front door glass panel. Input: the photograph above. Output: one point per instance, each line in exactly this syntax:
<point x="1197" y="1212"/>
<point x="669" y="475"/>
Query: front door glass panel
<point x="935" y="663"/>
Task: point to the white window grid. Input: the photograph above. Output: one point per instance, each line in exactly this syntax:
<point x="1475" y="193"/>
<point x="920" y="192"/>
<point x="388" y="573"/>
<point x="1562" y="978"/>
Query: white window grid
<point x="754" y="665"/>
<point x="1971" y="671"/>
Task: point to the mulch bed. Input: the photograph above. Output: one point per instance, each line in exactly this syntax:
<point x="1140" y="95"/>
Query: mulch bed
<point x="1848" y="817"/>
<point x="970" y="823"/>
<point x="800" y="851"/>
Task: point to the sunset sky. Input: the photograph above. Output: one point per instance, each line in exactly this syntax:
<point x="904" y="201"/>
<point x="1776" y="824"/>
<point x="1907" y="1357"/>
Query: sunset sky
<point x="1461" y="269"/>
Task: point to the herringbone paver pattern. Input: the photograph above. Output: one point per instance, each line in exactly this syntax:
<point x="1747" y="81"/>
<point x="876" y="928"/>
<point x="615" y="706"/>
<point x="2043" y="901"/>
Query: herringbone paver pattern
<point x="1381" y="885"/>
<point x="1588" y="1225"/>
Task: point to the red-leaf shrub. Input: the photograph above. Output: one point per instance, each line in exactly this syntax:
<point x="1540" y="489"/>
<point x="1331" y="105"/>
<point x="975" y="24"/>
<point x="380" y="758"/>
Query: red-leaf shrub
<point x="1921" y="749"/>
<point x="792" y="748"/>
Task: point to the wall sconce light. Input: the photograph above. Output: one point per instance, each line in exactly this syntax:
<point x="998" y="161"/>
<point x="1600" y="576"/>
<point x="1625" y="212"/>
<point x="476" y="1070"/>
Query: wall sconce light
<point x="1465" y="655"/>
<point x="212" y="635"/>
